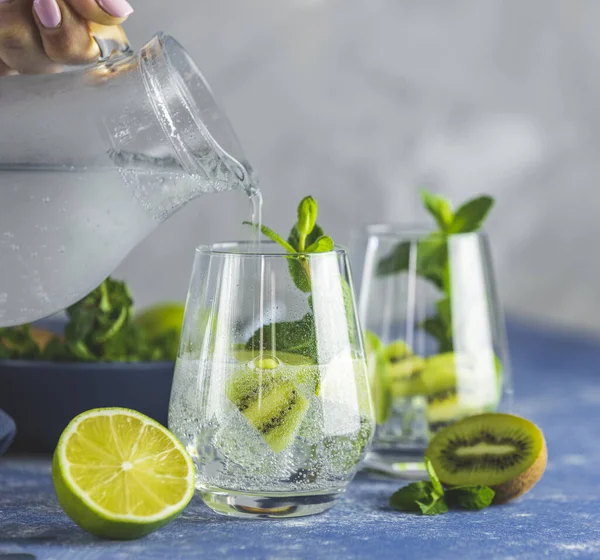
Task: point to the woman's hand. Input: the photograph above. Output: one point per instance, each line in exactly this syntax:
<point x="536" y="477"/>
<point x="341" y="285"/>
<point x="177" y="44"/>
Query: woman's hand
<point x="38" y="37"/>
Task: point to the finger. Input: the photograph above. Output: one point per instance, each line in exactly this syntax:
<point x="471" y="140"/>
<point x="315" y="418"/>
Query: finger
<point x="21" y="47"/>
<point x="105" y="12"/>
<point x="64" y="33"/>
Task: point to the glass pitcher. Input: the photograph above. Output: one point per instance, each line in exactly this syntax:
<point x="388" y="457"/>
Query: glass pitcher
<point x="92" y="160"/>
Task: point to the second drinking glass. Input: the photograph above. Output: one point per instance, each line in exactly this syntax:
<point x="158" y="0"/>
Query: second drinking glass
<point x="434" y="337"/>
<point x="270" y="394"/>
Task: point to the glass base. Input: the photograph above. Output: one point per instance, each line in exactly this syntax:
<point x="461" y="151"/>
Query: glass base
<point x="267" y="506"/>
<point x="398" y="463"/>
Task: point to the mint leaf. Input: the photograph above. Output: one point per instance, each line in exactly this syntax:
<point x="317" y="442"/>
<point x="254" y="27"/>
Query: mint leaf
<point x="299" y="268"/>
<point x="435" y="481"/>
<point x="419" y="497"/>
<point x="440" y="326"/>
<point x="408" y="497"/>
<point x="268" y="232"/>
<point x="436" y="505"/>
<point x="294" y="236"/>
<point x="470" y="497"/>
<point x="431" y="259"/>
<point x="18" y="343"/>
<point x="323" y="244"/>
<point x="307" y="218"/>
<point x="296" y="337"/>
<point x="470" y="216"/>
<point x="396" y="261"/>
<point x="439" y="207"/>
<point x="434" y="327"/>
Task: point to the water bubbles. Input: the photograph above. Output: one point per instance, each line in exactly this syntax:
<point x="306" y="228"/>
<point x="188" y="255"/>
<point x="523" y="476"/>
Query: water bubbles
<point x="231" y="452"/>
<point x="9" y="234"/>
<point x="14" y="247"/>
<point x="46" y="200"/>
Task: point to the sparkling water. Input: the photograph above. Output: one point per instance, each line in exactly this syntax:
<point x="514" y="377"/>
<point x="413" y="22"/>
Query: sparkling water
<point x="64" y="230"/>
<point x="231" y="454"/>
<point x="61" y="234"/>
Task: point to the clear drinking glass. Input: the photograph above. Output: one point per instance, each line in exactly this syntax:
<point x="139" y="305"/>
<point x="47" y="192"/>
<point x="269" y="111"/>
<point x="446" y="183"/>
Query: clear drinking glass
<point x="434" y="337"/>
<point x="270" y="394"/>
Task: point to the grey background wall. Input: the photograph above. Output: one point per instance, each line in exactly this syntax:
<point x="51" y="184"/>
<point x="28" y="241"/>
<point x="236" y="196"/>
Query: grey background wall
<point x="359" y="102"/>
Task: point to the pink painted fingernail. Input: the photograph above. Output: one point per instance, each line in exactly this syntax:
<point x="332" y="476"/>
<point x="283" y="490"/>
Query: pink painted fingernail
<point x="48" y="12"/>
<point x="116" y="8"/>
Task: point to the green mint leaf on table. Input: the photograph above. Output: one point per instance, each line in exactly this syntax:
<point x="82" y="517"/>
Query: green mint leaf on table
<point x="439" y="207"/>
<point x="470" y="216"/>
<point x="436" y="505"/>
<point x="429" y="498"/>
<point x="419" y="497"/>
<point x="435" y="481"/>
<point x="470" y="497"/>
<point x="408" y="497"/>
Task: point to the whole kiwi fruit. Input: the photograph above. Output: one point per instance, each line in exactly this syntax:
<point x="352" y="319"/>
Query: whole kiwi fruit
<point x="503" y="451"/>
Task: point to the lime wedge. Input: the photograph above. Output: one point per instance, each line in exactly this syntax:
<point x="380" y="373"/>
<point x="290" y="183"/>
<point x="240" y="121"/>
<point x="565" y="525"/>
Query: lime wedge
<point x="161" y="318"/>
<point x="120" y="475"/>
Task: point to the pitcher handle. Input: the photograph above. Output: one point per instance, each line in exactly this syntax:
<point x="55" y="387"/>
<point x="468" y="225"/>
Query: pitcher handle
<point x="110" y="48"/>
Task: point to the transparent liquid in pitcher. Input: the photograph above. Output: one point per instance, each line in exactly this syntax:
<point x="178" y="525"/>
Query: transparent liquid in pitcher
<point x="63" y="230"/>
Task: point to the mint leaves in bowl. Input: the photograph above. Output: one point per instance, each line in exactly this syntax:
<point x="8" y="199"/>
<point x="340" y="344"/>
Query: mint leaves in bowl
<point x="103" y="354"/>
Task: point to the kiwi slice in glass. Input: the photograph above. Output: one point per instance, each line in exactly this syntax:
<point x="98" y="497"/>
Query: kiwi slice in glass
<point x="390" y="365"/>
<point x="273" y="398"/>
<point x="503" y="451"/>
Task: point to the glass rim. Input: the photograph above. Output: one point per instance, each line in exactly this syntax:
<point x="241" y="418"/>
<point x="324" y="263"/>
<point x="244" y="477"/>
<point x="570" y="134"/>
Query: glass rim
<point x="414" y="231"/>
<point x="232" y="248"/>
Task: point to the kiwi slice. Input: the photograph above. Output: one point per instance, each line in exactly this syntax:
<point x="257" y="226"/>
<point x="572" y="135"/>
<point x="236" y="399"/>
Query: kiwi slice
<point x="503" y="451"/>
<point x="394" y="375"/>
<point x="417" y="376"/>
<point x="381" y="394"/>
<point x="445" y="408"/>
<point x="444" y="402"/>
<point x="272" y="399"/>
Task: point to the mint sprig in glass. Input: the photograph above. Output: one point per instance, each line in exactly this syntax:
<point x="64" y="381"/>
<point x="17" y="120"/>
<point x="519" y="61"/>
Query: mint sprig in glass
<point x="271" y="394"/>
<point x="433" y="327"/>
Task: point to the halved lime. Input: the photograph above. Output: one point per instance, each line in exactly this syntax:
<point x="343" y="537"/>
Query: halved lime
<point x="161" y="318"/>
<point x="120" y="475"/>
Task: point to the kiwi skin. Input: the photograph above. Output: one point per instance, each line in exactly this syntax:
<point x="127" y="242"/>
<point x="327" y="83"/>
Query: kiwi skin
<point x="516" y="486"/>
<point x="524" y="482"/>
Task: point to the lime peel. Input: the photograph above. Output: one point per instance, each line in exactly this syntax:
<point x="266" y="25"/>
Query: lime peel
<point x="99" y="520"/>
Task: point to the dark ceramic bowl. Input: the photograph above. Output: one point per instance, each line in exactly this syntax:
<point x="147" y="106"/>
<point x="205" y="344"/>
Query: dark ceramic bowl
<point x="43" y="397"/>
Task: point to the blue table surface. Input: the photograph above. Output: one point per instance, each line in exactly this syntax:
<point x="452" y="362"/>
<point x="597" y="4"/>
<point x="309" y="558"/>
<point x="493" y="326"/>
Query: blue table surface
<point x="557" y="384"/>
